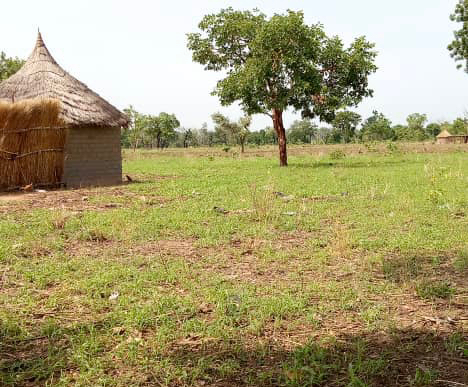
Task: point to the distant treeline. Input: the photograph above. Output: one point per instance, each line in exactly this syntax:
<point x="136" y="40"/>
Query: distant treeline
<point x="163" y="130"/>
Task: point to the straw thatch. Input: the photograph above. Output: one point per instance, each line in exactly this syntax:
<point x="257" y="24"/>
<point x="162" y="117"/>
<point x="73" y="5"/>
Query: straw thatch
<point x="32" y="142"/>
<point x="444" y="134"/>
<point x="42" y="77"/>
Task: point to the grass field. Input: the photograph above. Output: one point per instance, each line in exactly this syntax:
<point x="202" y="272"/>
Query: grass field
<point x="348" y="268"/>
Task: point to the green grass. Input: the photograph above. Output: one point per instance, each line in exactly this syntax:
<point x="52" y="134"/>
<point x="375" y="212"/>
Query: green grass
<point x="333" y="285"/>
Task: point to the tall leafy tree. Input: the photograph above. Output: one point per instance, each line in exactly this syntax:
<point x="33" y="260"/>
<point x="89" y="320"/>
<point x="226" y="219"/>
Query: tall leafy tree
<point x="9" y="66"/>
<point x="276" y="63"/>
<point x="345" y="125"/>
<point x="459" y="46"/>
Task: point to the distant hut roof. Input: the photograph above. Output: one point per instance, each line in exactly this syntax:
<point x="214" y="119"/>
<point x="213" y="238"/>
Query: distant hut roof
<point x="41" y="77"/>
<point x="444" y="134"/>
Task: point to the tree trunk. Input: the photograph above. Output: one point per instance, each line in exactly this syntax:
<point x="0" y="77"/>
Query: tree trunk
<point x="281" y="133"/>
<point x="158" y="141"/>
<point x="242" y="146"/>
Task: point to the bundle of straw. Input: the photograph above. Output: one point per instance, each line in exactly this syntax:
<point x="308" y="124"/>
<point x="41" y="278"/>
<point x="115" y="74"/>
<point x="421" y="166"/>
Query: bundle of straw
<point x="32" y="142"/>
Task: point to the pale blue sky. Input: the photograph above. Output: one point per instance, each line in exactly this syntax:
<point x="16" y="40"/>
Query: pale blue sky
<point x="134" y="52"/>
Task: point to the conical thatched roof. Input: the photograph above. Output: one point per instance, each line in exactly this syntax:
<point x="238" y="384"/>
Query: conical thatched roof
<point x="41" y="77"/>
<point x="444" y="134"/>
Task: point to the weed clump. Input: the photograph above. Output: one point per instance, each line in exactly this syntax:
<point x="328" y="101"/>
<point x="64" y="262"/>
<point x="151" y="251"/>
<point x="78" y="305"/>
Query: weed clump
<point x="430" y="290"/>
<point x="457" y="344"/>
<point x="461" y="263"/>
<point x="262" y="202"/>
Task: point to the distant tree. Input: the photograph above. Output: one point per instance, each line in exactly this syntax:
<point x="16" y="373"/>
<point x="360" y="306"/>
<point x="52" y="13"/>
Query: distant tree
<point x="165" y="130"/>
<point x="433" y="129"/>
<point x="135" y="132"/>
<point x="206" y="137"/>
<point x="243" y="132"/>
<point x="151" y="129"/>
<point x="446" y="125"/>
<point x="324" y="135"/>
<point x="147" y="129"/>
<point x="271" y="136"/>
<point x="377" y="128"/>
<point x="459" y="46"/>
<point x="416" y="126"/>
<point x="460" y="126"/>
<point x="414" y="130"/>
<point x="257" y="137"/>
<point x="232" y="132"/>
<point x="263" y="137"/>
<point x="280" y="62"/>
<point x="302" y="131"/>
<point x="186" y="138"/>
<point x="345" y="125"/>
<point x="9" y="66"/>
<point x="223" y="128"/>
<point x="401" y="132"/>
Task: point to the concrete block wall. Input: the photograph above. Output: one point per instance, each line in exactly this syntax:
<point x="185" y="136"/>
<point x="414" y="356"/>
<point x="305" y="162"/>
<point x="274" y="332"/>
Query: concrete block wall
<point x="92" y="157"/>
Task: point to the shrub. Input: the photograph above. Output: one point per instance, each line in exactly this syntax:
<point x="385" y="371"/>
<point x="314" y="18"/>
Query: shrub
<point x="337" y="154"/>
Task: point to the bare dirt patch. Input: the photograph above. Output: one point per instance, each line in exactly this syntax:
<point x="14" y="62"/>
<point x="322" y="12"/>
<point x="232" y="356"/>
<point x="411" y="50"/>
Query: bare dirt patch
<point x="101" y="199"/>
<point x="14" y="197"/>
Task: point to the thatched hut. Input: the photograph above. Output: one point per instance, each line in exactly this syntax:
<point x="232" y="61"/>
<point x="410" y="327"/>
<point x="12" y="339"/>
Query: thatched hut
<point x="54" y="130"/>
<point x="445" y="137"/>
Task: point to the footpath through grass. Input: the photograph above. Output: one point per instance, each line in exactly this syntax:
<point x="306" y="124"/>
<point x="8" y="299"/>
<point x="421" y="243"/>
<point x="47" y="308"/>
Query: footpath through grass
<point x="344" y="269"/>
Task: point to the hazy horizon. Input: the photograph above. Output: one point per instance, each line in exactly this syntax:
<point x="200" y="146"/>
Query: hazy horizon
<point x="136" y="53"/>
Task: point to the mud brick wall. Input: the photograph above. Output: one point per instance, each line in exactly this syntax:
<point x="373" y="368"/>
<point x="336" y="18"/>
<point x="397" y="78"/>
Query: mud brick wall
<point x="92" y="157"/>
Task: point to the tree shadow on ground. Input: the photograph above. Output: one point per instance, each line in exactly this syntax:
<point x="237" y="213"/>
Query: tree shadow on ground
<point x="399" y="358"/>
<point x="402" y="358"/>
<point x="32" y="361"/>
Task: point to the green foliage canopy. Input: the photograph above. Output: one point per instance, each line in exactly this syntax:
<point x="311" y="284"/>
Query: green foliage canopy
<point x="9" y="66"/>
<point x="281" y="62"/>
<point x="459" y="46"/>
